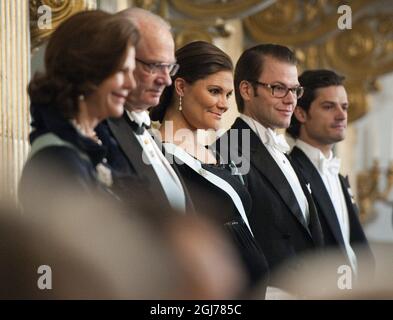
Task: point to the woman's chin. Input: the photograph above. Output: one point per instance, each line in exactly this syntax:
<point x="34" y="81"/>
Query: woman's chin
<point x="117" y="112"/>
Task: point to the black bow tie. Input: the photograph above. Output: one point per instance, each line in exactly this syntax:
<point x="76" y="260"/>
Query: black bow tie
<point x="137" y="128"/>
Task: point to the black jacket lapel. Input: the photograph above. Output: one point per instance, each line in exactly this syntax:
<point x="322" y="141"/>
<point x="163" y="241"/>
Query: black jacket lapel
<point x="125" y="136"/>
<point x="319" y="192"/>
<point x="173" y="162"/>
<point x="314" y="223"/>
<point x="357" y="235"/>
<point x="264" y="162"/>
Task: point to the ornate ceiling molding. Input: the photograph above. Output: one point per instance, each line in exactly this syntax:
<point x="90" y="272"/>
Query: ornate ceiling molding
<point x="209" y="26"/>
<point x="60" y="10"/>
<point x="364" y="51"/>
<point x="226" y="9"/>
<point x="187" y="30"/>
<point x="299" y="23"/>
<point x="310" y="27"/>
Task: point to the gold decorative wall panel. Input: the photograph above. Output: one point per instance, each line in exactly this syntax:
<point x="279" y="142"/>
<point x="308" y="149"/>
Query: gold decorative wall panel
<point x="310" y="27"/>
<point x="361" y="53"/>
<point x="202" y="19"/>
<point x="365" y="50"/>
<point x="60" y="11"/>
<point x="227" y="9"/>
<point x="299" y="22"/>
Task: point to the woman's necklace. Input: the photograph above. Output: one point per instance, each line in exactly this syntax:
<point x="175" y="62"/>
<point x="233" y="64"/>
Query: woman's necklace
<point x="92" y="134"/>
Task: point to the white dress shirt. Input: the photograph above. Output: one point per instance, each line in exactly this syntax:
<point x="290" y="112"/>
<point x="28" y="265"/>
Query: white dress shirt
<point x="277" y="146"/>
<point x="328" y="168"/>
<point x="152" y="155"/>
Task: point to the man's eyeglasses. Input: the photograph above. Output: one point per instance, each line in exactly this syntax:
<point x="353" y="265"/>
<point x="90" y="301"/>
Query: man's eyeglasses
<point x="154" y="67"/>
<point x="279" y="90"/>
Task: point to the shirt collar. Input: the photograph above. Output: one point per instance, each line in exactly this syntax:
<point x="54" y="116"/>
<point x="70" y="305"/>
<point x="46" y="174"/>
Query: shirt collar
<point x="255" y="126"/>
<point x="314" y="154"/>
<point x="139" y="117"/>
<point x="267" y="135"/>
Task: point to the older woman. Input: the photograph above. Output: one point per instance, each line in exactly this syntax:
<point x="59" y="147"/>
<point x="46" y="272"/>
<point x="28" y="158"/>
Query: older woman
<point x="89" y="63"/>
<point x="196" y="100"/>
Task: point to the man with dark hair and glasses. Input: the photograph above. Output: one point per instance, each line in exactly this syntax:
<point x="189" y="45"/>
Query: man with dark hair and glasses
<point x="318" y="123"/>
<point x="283" y="217"/>
<point x="140" y="170"/>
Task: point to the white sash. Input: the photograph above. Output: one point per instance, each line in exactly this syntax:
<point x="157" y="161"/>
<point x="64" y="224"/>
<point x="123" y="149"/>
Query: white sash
<point x="196" y="165"/>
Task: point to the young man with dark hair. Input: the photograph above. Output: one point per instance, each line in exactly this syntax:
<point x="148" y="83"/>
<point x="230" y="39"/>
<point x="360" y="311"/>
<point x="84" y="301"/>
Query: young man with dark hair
<point x="320" y="121"/>
<point x="283" y="217"/>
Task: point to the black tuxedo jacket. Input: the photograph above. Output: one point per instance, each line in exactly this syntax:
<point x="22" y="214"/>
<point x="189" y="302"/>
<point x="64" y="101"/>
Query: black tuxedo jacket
<point x="276" y="218"/>
<point x="327" y="215"/>
<point x="135" y="182"/>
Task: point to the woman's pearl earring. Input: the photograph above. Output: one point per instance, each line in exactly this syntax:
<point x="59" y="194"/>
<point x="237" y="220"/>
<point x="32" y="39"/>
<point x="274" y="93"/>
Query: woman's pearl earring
<point x="180" y="104"/>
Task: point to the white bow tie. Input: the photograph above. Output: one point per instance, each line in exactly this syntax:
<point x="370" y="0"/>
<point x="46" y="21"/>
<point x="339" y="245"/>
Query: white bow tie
<point x="140" y="118"/>
<point x="330" y="165"/>
<point x="276" y="141"/>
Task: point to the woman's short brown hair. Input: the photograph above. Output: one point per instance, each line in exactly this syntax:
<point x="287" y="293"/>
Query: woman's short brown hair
<point x="82" y="52"/>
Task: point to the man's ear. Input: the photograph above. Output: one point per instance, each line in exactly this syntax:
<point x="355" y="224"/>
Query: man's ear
<point x="246" y="90"/>
<point x="300" y="114"/>
<point x="180" y="85"/>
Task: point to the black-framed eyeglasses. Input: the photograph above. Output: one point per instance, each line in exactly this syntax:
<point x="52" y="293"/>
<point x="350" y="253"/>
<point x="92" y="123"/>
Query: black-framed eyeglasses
<point x="155" y="67"/>
<point x="279" y="90"/>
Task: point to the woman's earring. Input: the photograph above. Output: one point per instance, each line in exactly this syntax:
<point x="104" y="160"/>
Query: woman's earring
<point x="180" y="104"/>
<point x="81" y="97"/>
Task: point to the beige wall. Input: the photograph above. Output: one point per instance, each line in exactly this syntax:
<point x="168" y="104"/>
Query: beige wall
<point x="373" y="139"/>
<point x="233" y="46"/>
